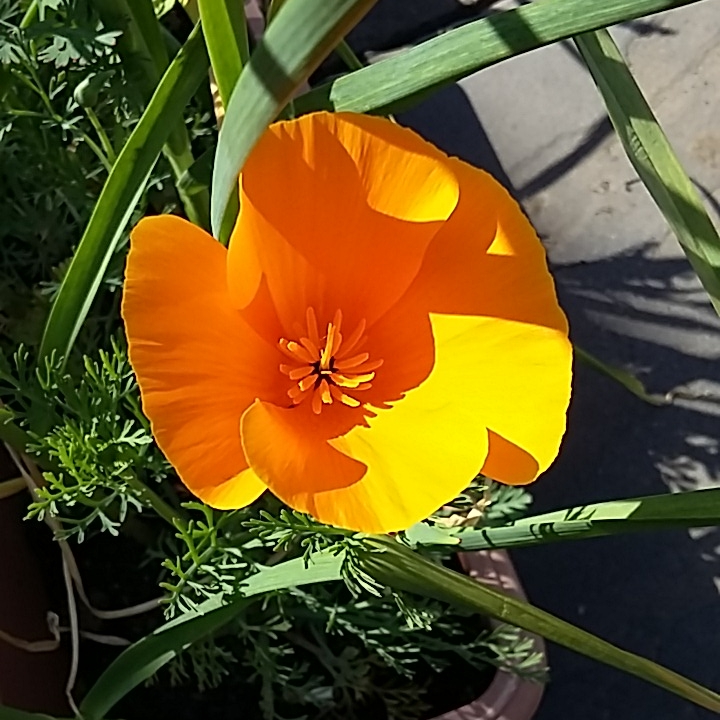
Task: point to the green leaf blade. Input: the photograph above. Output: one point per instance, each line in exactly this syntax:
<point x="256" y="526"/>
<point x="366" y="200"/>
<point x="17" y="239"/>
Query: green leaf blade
<point x="297" y="41"/>
<point x="652" y="156"/>
<point x="8" y="713"/>
<point x="398" y="82"/>
<point x="120" y="195"/>
<point x="226" y="38"/>
<point x="622" y="377"/>
<point x="145" y="657"/>
<point x="699" y="508"/>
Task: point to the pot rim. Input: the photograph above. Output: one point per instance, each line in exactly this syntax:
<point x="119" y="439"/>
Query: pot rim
<point x="508" y="697"/>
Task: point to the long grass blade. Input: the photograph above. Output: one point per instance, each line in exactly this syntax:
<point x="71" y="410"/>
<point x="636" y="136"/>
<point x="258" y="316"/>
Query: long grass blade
<point x="141" y="660"/>
<point x="120" y="195"/>
<point x="699" y="508"/>
<point x="295" y="43"/>
<point x="402" y="569"/>
<point x="226" y="37"/>
<point x="651" y="154"/>
<point x="143" y="49"/>
<point x="620" y="376"/>
<point x="398" y="82"/>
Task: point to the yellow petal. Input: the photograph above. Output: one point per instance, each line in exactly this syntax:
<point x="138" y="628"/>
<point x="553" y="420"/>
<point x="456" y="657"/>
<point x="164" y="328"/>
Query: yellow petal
<point x="488" y="263"/>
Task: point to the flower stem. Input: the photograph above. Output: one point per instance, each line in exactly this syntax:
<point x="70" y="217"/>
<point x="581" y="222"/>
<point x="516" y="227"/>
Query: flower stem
<point x="102" y="135"/>
<point x="162" y="508"/>
<point x="348" y="56"/>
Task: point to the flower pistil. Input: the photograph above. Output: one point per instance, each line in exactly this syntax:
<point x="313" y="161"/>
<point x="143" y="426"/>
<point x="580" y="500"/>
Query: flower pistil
<point x="325" y="368"/>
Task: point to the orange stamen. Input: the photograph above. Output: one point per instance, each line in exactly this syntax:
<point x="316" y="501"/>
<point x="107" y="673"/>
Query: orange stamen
<point x="300" y="373"/>
<point x="340" y="396"/>
<point x="310" y="346"/>
<point x="352" y="362"/>
<point x="354" y="339"/>
<point x="321" y="366"/>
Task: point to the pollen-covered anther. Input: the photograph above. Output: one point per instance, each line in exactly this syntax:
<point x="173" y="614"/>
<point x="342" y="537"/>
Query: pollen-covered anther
<point x="324" y="367"/>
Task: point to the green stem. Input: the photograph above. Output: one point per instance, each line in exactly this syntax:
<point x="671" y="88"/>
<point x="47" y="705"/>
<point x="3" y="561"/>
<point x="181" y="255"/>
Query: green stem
<point x="348" y="56"/>
<point x="12" y="434"/>
<point x="197" y="204"/>
<point x="30" y="15"/>
<point x="163" y="509"/>
<point x="37" y="88"/>
<point x="8" y="488"/>
<point x="24" y="113"/>
<point x="96" y="149"/>
<point x="104" y="139"/>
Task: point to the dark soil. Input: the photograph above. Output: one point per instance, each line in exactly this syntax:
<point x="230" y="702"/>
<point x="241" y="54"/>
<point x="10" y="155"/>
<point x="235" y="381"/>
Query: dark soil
<point x="116" y="573"/>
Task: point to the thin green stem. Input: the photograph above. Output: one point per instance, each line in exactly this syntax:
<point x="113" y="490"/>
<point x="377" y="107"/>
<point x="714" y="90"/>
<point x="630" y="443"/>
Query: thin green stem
<point x="348" y="56"/>
<point x="96" y="149"/>
<point x="37" y="88"/>
<point x="30" y="15"/>
<point x="24" y="113"/>
<point x="102" y="135"/>
<point x="8" y="488"/>
<point x="163" y="509"/>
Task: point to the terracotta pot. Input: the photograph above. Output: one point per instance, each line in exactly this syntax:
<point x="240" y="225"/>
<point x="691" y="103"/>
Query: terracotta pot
<point x="508" y="697"/>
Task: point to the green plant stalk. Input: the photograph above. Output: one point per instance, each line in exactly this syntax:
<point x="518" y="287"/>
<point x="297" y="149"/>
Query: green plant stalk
<point x="295" y="43"/>
<point x="12" y="434"/>
<point x="401" y="81"/>
<point x="120" y="195"/>
<point x="652" y="156"/>
<point x="30" y="15"/>
<point x="396" y="566"/>
<point x="620" y="376"/>
<point x="37" y="88"/>
<point x="144" y="53"/>
<point x="102" y="135"/>
<point x="348" y="56"/>
<point x="196" y="204"/>
<point x="162" y="508"/>
<point x="144" y="658"/>
<point x="273" y="9"/>
<point x="699" y="508"/>
<point x="226" y="38"/>
<point x="8" y="488"/>
<point x="8" y="713"/>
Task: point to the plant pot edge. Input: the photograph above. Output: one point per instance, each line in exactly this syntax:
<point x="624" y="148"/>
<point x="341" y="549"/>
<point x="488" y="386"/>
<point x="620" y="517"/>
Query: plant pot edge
<point x="508" y="697"/>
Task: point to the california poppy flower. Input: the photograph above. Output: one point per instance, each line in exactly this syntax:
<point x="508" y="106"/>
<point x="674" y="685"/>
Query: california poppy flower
<point x="381" y="328"/>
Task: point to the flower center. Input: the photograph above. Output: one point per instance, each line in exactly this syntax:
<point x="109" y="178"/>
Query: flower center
<point x="328" y="368"/>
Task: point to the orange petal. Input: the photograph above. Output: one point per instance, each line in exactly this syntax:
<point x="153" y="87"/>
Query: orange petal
<point x="321" y="198"/>
<point x="491" y="264"/>
<point x="199" y="366"/>
<point x="282" y="444"/>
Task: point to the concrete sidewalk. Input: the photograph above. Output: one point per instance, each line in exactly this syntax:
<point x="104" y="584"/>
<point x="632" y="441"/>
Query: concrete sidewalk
<point x="537" y="122"/>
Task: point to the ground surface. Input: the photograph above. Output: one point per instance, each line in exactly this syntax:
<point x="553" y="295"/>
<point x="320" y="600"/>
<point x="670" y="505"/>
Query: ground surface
<point x="632" y="299"/>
